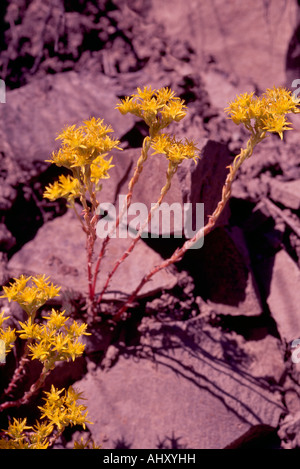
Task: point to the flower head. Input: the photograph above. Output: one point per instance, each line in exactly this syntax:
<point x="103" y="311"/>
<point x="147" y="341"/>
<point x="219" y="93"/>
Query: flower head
<point x="7" y="335"/>
<point x="30" y="292"/>
<point x="62" y="410"/>
<point x="55" y="340"/>
<point x="66" y="186"/>
<point x="175" y="150"/>
<point x="158" y="108"/>
<point x="82" y="145"/>
<point x="266" y="113"/>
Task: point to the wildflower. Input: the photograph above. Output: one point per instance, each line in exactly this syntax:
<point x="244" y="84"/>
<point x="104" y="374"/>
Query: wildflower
<point x="63" y="410"/>
<point x="54" y="340"/>
<point x="264" y="114"/>
<point x="66" y="186"/>
<point x="82" y="145"/>
<point x="30" y="330"/>
<point x="8" y="335"/>
<point x="30" y="297"/>
<point x="175" y="150"/>
<point x="158" y="108"/>
<point x="89" y="444"/>
<point x="276" y="123"/>
<point x="100" y="168"/>
<point x="17" y="427"/>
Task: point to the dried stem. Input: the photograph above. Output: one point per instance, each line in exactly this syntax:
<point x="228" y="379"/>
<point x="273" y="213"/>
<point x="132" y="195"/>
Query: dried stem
<point x="138" y="169"/>
<point x="18" y="374"/>
<point x="27" y="395"/>
<point x="172" y="168"/>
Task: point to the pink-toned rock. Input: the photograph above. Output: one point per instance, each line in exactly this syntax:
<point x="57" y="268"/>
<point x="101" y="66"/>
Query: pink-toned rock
<point x="224" y="274"/>
<point x="286" y="193"/>
<point x="193" y="183"/>
<point x="34" y="114"/>
<point x="232" y="34"/>
<point x="190" y="389"/>
<point x="283" y="295"/>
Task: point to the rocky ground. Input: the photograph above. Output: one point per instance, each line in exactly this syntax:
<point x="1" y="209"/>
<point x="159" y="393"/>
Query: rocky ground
<point x="204" y="360"/>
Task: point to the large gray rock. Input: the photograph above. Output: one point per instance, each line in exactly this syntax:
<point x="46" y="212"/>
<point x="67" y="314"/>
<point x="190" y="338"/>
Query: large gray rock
<point x="286" y="193"/>
<point x="214" y="30"/>
<point x="34" y="114"/>
<point x="223" y="272"/>
<point x="185" y="381"/>
<point x="282" y="280"/>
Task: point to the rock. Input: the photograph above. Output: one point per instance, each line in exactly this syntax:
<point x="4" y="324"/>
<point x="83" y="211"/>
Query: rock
<point x="289" y="431"/>
<point x="137" y="402"/>
<point x="222" y="272"/>
<point x="259" y="436"/>
<point x="10" y="176"/>
<point x="203" y="183"/>
<point x="266" y="359"/>
<point x="58" y="251"/>
<point x="34" y="114"/>
<point x="7" y="241"/>
<point x="146" y="191"/>
<point x="215" y="32"/>
<point x="281" y="280"/>
<point x="258" y="218"/>
<point x="286" y="193"/>
<point x="293" y="56"/>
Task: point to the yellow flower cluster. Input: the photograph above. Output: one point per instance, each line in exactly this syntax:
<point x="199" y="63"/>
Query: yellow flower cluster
<point x="266" y="113"/>
<point x="55" y="340"/>
<point x="67" y="187"/>
<point x="82" y="145"/>
<point x="59" y="411"/>
<point x="100" y="168"/>
<point x="8" y="335"/>
<point x="30" y="297"/>
<point x="64" y="410"/>
<point x="158" y="108"/>
<point x="175" y="150"/>
<point x="83" y="152"/>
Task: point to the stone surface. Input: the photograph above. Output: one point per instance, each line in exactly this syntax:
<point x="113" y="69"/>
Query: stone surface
<point x="182" y="384"/>
<point x="289" y="431"/>
<point x="34" y="114"/>
<point x="58" y="251"/>
<point x="286" y="193"/>
<point x="223" y="273"/>
<point x="203" y="183"/>
<point x="228" y="35"/>
<point x="281" y="281"/>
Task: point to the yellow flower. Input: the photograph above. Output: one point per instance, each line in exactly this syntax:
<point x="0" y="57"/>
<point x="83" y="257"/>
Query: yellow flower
<point x="158" y="108"/>
<point x="100" y="168"/>
<point x="63" y="410"/>
<point x="264" y="114"/>
<point x="82" y="145"/>
<point x="66" y="186"/>
<point x="89" y="444"/>
<point x="17" y="427"/>
<point x="29" y="330"/>
<point x="276" y="123"/>
<point x="9" y="337"/>
<point x="30" y="297"/>
<point x="55" y="340"/>
<point x="175" y="150"/>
